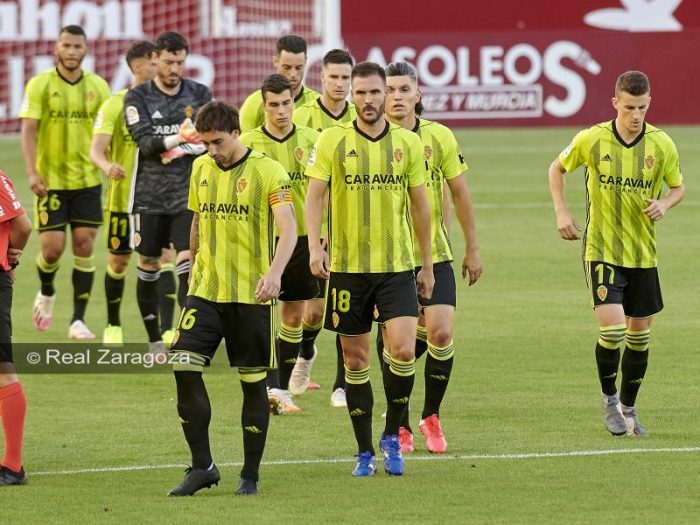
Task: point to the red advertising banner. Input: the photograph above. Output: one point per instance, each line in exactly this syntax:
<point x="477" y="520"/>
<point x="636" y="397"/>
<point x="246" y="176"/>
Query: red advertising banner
<point x="417" y="16"/>
<point x="479" y="62"/>
<point x="231" y="41"/>
<point x="528" y="63"/>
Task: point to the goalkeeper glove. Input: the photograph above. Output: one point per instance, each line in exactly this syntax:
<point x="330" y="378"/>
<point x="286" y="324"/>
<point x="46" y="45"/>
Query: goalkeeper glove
<point x="186" y="135"/>
<point x="180" y="151"/>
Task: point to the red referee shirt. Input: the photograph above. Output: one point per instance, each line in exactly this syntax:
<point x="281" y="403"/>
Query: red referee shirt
<point x="10" y="207"/>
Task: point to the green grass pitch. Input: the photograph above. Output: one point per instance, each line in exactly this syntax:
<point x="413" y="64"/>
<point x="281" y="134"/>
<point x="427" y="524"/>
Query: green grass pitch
<point x="522" y="414"/>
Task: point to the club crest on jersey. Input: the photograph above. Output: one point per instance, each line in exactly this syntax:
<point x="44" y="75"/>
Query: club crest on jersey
<point x="241" y="185"/>
<point x="114" y="242"/>
<point x="299" y="153"/>
<point x="43" y="218"/>
<point x="602" y="293"/>
<point x="90" y="96"/>
<point x="188" y="111"/>
<point x="649" y="161"/>
<point x="336" y="319"/>
<point x="427" y="152"/>
<point x="137" y="239"/>
<point x="398" y="154"/>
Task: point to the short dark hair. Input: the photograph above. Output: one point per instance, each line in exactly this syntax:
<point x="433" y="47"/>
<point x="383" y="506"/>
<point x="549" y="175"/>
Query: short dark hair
<point x="337" y="56"/>
<point x="171" y="41"/>
<point x="139" y="49"/>
<point x="217" y="116"/>
<point x="291" y="44"/>
<point x="275" y="84"/>
<point x="73" y="30"/>
<point x="635" y="83"/>
<point x="368" y="69"/>
<point x="404" y="69"/>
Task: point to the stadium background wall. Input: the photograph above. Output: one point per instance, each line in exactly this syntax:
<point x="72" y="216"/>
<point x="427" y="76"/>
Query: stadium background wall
<point x="507" y="63"/>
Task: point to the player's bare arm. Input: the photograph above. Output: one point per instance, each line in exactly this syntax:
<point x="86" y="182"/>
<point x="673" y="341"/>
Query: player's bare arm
<point x="269" y="285"/>
<point x="30" y="128"/>
<point x="326" y="204"/>
<point x="99" y="149"/>
<point x="420" y="213"/>
<point x="566" y="224"/>
<point x="471" y="264"/>
<point x="318" y="257"/>
<point x="658" y="207"/>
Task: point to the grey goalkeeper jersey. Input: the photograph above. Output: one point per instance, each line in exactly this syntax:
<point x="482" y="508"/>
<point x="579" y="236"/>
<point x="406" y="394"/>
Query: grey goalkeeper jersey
<point x="150" y="116"/>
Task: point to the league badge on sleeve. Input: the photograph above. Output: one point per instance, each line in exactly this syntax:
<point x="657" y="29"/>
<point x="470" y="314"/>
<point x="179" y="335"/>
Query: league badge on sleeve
<point x="132" y="115"/>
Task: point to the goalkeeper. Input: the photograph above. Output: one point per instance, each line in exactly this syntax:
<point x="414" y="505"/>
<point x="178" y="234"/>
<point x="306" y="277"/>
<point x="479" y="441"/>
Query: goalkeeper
<point x="159" y="117"/>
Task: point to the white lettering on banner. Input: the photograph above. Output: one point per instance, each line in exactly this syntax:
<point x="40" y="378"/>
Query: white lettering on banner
<point x="464" y="102"/>
<point x="637" y="16"/>
<point x="27" y="20"/>
<point x="225" y="24"/>
<point x="507" y="83"/>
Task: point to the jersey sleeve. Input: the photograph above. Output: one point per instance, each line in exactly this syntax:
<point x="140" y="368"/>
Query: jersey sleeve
<point x="108" y="116"/>
<point x="103" y="90"/>
<point x="10" y="207"/>
<point x="320" y="163"/>
<point x="279" y="190"/>
<point x="206" y="95"/>
<point x="573" y="156"/>
<point x="416" y="165"/>
<point x="673" y="176"/>
<point x="248" y="115"/>
<point x="301" y="115"/>
<point x="193" y="198"/>
<point x="453" y="163"/>
<point x="32" y="104"/>
<point x="313" y="134"/>
<point x="203" y="96"/>
<point x="247" y="139"/>
<point x="140" y="126"/>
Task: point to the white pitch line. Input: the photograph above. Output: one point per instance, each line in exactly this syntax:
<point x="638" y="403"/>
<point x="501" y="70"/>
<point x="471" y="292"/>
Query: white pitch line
<point x="537" y="205"/>
<point x="447" y="457"/>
